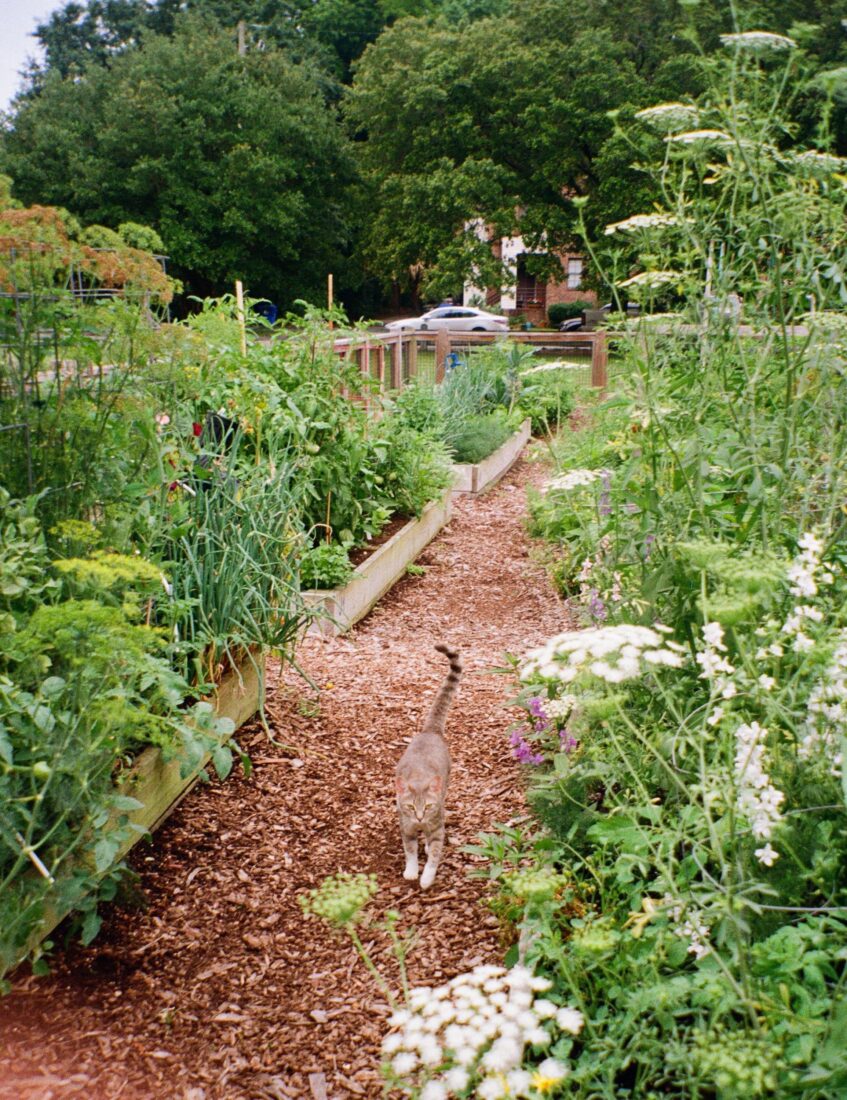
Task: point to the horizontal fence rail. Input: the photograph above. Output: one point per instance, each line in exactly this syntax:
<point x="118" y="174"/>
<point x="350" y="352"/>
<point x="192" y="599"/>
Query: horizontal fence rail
<point x="393" y="360"/>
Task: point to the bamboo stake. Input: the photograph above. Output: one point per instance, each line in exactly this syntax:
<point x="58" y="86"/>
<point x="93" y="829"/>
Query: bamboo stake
<point x="329" y="295"/>
<point x="239" y="300"/>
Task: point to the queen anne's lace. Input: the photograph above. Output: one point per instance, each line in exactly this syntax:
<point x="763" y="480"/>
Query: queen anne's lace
<point x="475" y="1031"/>
<point x="669" y="116"/>
<point x="653" y="280"/>
<point x="611" y="653"/>
<point x="758" y="41"/>
<point x="640" y="222"/>
<point x="573" y="479"/>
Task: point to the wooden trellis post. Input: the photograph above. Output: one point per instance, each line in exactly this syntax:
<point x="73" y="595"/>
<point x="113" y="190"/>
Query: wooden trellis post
<point x="599" y="360"/>
<point x="442" y="350"/>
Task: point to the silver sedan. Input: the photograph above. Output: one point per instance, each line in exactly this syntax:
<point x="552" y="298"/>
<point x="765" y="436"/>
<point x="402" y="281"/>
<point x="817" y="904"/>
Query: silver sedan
<point x="454" y="319"/>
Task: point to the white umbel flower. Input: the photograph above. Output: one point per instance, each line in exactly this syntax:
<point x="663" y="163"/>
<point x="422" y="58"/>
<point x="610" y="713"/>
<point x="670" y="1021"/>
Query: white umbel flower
<point x="758" y="41"/>
<point x="641" y="222"/>
<point x="669" y="116"/>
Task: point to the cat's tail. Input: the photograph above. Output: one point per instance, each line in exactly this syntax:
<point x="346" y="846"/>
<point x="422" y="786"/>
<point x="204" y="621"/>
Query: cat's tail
<point x="437" y="715"/>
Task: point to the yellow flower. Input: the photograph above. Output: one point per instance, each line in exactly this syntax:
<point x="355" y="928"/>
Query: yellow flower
<point x="549" y="1074"/>
<point x="329" y="686"/>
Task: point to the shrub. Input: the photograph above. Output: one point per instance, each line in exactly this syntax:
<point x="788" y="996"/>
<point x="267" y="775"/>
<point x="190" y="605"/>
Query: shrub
<point x="563" y="311"/>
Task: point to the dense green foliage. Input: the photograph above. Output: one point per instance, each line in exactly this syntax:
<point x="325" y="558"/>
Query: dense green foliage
<point x="484" y="399"/>
<point x="159" y="488"/>
<point x="684" y="750"/>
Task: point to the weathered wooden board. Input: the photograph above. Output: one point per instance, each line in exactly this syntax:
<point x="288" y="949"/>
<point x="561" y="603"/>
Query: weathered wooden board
<point x="375" y="576"/>
<point x="479" y="476"/>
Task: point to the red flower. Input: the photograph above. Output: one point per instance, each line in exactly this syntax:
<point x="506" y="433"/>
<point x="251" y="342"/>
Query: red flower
<point x="197" y="428"/>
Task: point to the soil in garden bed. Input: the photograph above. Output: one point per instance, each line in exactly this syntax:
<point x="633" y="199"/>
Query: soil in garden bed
<point x="218" y="989"/>
<point x="361" y="553"/>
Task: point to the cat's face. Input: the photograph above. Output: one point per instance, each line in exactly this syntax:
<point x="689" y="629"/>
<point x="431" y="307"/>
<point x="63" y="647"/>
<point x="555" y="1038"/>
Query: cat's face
<point x="419" y="800"/>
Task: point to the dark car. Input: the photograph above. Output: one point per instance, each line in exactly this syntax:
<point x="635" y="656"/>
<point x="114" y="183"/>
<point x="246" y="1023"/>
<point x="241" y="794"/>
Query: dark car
<point x="589" y="317"/>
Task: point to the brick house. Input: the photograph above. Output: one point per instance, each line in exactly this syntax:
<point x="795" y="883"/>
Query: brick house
<point x="530" y="296"/>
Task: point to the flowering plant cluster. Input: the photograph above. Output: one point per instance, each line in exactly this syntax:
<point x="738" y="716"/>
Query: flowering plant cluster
<point x="701" y="820"/>
<point x="472" y="1036"/>
<point x="609" y="653"/>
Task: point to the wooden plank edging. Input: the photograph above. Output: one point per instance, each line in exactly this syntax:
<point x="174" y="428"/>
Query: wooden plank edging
<point x="159" y="786"/>
<point x="477" y="477"/>
<point x="378" y="573"/>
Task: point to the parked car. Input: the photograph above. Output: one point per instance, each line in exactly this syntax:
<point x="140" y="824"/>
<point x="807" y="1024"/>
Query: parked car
<point x="454" y="319"/>
<point x="576" y="324"/>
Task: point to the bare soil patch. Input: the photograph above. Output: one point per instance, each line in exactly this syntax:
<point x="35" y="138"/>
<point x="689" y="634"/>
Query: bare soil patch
<point x="218" y="989"/>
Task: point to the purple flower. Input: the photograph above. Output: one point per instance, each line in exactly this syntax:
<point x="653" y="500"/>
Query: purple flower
<point x="568" y="742"/>
<point x="596" y="607"/>
<point x="536" y="708"/>
<point x="522" y="750"/>
<point x="649" y="539"/>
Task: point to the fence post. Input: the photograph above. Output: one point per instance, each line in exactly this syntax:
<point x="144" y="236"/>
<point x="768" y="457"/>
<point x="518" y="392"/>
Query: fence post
<point x="396" y="372"/>
<point x="599" y="360"/>
<point x="413" y="356"/>
<point x="442" y="350"/>
<point x="380" y="366"/>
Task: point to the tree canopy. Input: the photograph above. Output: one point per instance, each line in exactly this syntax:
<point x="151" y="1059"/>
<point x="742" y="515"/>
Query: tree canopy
<point x="458" y="112"/>
<point x="236" y="161"/>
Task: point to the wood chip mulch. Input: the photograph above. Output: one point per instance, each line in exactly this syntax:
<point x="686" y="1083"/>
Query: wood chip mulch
<point x="217" y="988"/>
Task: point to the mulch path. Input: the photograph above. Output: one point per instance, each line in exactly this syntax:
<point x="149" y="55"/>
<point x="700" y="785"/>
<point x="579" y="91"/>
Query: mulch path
<point x="218" y="989"/>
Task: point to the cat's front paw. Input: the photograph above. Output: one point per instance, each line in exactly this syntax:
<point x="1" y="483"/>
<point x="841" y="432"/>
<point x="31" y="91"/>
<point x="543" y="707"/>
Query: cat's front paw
<point x="411" y="871"/>
<point x="428" y="877"/>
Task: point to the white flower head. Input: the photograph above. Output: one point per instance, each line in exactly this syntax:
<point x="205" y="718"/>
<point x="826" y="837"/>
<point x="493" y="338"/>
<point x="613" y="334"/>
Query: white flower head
<point x="758" y="41"/>
<point x="570" y="1020"/>
<point x="669" y="116"/>
<point x="641" y="222"/>
<point x="767" y="855"/>
<point x="652" y="280"/>
<point x="552" y="1070"/>
<point x="700" y="137"/>
<point x="555" y="364"/>
<point x="573" y="479"/>
<point x="404" y="1063"/>
<point x="457" y="1079"/>
<point x="491" y="1088"/>
<point x="820" y="163"/>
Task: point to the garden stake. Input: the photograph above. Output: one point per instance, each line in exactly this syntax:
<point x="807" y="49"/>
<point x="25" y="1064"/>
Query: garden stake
<point x="33" y="856"/>
<point x="239" y="298"/>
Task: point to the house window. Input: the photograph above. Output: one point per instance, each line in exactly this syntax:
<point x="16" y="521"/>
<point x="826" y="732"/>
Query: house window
<point x="574" y="274"/>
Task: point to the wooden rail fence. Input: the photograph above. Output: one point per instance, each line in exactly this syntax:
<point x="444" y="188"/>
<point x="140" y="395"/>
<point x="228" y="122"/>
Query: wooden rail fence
<point x="392" y="360"/>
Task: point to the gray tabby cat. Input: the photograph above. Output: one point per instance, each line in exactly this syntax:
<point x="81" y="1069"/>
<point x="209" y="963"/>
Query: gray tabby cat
<point x="422" y="775"/>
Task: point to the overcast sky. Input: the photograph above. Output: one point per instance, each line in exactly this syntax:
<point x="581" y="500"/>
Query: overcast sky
<point x="18" y="19"/>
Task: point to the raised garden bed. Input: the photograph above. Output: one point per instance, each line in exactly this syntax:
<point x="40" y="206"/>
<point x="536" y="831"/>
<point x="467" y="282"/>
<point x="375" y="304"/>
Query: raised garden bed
<point x="342" y="607"/>
<point x="159" y="786"/>
<point x="480" y="476"/>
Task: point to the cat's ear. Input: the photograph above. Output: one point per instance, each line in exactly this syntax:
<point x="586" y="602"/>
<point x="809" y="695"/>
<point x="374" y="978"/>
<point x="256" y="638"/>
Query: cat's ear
<point x="435" y="784"/>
